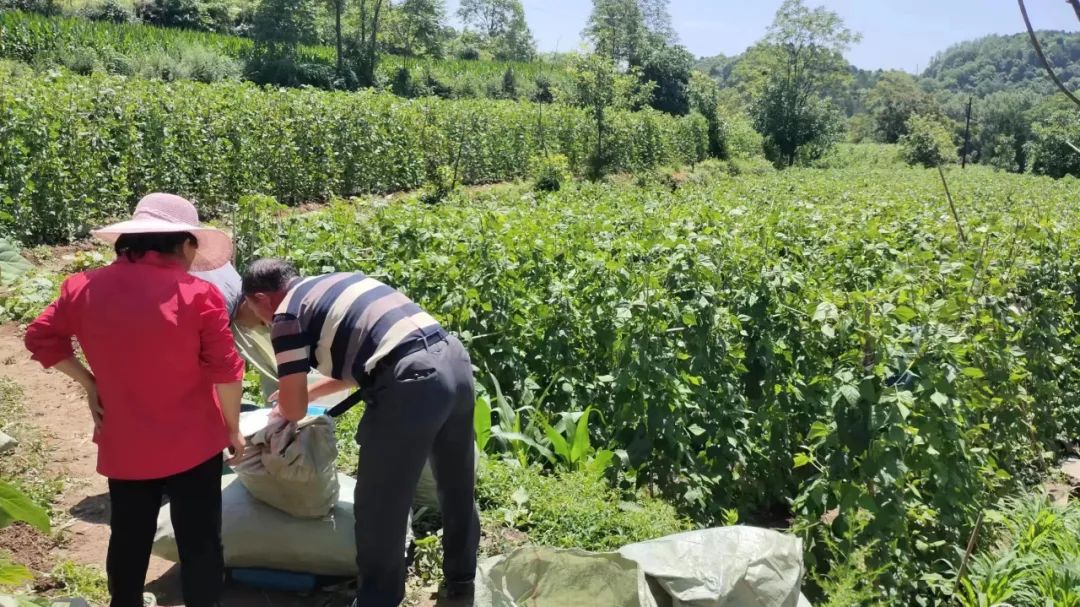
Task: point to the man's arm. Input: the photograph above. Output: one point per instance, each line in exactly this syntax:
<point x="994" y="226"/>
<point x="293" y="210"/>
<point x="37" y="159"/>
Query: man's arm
<point x="293" y="396"/>
<point x="323" y="387"/>
<point x="292" y="351"/>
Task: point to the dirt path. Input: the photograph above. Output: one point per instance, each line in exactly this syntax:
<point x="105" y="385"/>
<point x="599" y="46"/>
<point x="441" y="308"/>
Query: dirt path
<point x="56" y="407"/>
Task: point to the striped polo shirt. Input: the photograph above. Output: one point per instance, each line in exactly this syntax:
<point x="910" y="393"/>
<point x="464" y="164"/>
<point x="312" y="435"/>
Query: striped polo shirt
<point x="343" y="324"/>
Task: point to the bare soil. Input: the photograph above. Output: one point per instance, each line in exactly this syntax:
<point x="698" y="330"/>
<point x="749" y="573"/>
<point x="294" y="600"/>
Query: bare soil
<point x="29" y="546"/>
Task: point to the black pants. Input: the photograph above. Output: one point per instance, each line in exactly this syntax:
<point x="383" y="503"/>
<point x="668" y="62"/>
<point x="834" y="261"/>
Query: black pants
<point x="422" y="406"/>
<point x="195" y="505"/>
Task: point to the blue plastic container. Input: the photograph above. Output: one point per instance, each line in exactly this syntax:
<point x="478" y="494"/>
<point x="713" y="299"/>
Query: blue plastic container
<point x="280" y="581"/>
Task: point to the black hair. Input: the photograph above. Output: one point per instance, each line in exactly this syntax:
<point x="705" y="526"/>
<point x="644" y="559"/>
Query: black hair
<point x="268" y="276"/>
<point x="135" y="246"/>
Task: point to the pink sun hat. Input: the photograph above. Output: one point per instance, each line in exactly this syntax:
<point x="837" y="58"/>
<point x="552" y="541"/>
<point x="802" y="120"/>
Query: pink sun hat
<point x="165" y="213"/>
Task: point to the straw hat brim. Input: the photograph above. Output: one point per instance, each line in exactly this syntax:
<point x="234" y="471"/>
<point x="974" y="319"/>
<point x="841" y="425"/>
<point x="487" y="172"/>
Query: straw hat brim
<point x="215" y="246"/>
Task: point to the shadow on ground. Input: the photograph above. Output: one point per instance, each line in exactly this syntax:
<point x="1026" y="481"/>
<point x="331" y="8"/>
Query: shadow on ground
<point x="93" y="509"/>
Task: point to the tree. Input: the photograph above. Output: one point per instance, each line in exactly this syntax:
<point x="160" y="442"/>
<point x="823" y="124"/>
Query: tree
<point x="338" y="7"/>
<point x="617" y="30"/>
<point x="796" y="128"/>
<point x="598" y="87"/>
<point x="1005" y="129"/>
<point x="365" y="49"/>
<point x="285" y="23"/>
<point x="1055" y="144"/>
<point x="806" y="46"/>
<point x="895" y="98"/>
<point x="658" y="20"/>
<point x="279" y="27"/>
<point x="928" y="142"/>
<point x="415" y="28"/>
<point x="704" y="97"/>
<point x="502" y="27"/>
<point x="669" y="67"/>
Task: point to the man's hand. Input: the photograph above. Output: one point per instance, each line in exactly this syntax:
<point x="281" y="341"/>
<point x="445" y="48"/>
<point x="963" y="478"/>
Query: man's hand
<point x="96" y="410"/>
<point x="237" y="446"/>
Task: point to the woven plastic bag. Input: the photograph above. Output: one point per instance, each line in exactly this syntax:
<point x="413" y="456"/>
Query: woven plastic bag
<point x="291" y="466"/>
<point x="255" y="535"/>
<point x="726" y="567"/>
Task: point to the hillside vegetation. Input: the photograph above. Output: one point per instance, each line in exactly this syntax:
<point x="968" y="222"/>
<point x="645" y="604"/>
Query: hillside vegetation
<point x="998" y="63"/>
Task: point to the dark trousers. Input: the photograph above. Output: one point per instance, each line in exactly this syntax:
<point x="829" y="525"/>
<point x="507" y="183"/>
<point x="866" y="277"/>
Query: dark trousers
<point x="421" y="406"/>
<point x="195" y="505"/>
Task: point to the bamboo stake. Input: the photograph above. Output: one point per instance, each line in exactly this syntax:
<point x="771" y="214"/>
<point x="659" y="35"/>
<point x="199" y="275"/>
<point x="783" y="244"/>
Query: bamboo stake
<point x="952" y="206"/>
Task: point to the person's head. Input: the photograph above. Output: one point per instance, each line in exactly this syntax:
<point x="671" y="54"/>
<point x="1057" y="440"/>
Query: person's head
<point x="181" y="246"/>
<point x="169" y="225"/>
<point x="265" y="285"/>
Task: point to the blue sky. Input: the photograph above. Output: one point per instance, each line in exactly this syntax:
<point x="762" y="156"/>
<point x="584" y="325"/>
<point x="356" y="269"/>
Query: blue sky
<point x="902" y="34"/>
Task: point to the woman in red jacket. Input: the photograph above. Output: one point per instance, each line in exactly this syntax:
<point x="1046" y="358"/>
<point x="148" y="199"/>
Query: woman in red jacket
<point x="163" y="387"/>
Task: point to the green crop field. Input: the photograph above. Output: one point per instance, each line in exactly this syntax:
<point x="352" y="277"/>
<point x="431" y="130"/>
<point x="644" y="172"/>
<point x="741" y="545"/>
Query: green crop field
<point x="76" y="150"/>
<point x="804" y="342"/>
<point x="127" y="48"/>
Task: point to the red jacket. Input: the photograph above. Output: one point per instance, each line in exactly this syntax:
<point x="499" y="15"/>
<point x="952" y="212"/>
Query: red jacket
<point x="157" y="340"/>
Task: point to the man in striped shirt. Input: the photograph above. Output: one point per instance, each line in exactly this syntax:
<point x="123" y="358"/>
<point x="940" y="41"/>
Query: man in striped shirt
<point x="417" y="382"/>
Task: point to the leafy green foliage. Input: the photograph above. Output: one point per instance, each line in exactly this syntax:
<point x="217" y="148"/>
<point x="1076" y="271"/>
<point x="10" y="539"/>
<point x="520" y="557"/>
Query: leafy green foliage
<point x="599" y="87"/>
<point x="570" y="509"/>
<point x="113" y="11"/>
<point x="550" y="173"/>
<point x="15" y="506"/>
<point x="793" y="130"/>
<point x="12" y="264"/>
<point x="27" y="296"/>
<point x="440" y="186"/>
<point x="928" y="142"/>
<point x="285" y="22"/>
<point x="82" y="581"/>
<point x="75" y="152"/>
